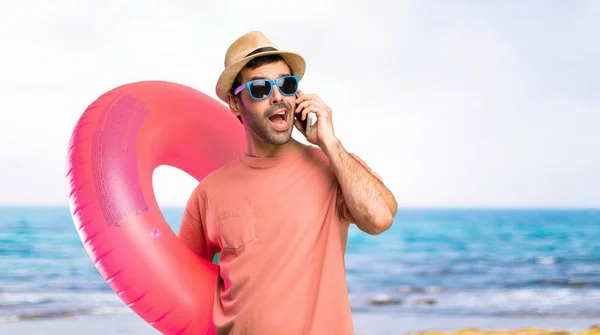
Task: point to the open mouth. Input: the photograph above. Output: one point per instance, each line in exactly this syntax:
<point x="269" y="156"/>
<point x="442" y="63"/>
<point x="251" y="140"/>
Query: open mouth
<point x="280" y="120"/>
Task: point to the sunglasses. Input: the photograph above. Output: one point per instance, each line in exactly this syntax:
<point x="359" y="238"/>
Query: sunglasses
<point x="260" y="89"/>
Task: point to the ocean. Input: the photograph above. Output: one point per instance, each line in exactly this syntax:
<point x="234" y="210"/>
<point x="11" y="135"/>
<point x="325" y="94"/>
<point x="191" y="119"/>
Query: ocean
<point x="434" y="261"/>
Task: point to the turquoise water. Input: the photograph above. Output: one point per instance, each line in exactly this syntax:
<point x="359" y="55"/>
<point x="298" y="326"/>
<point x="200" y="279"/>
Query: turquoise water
<point x="469" y="262"/>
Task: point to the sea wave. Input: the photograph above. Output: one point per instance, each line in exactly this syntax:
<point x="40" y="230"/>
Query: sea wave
<point x="575" y="283"/>
<point x="18" y="306"/>
<point x="488" y="302"/>
<point x="64" y="313"/>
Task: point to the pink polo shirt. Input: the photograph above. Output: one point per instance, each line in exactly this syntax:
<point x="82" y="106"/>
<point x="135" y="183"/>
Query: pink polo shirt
<point x="277" y="225"/>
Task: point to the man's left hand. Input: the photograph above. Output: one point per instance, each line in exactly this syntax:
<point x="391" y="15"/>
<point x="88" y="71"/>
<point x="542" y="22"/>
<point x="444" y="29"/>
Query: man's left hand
<point x="322" y="131"/>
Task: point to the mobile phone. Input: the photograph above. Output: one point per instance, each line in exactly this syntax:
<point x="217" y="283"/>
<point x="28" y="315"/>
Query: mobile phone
<point x="307" y="123"/>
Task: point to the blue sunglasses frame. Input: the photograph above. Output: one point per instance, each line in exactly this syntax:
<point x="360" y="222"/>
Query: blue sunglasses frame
<point x="273" y="82"/>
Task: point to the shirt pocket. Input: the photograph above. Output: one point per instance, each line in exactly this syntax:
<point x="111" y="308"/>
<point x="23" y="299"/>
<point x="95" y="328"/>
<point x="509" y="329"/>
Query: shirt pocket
<point x="237" y="227"/>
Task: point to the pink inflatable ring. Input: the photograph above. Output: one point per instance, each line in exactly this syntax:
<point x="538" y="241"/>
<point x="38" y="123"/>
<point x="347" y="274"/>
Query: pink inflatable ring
<point x="115" y="147"/>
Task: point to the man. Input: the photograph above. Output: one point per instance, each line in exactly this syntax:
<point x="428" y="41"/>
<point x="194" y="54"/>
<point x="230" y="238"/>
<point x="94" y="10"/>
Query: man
<point x="279" y="214"/>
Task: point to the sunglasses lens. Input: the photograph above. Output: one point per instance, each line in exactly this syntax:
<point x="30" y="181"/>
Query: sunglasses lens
<point x="288" y="85"/>
<point x="260" y="89"/>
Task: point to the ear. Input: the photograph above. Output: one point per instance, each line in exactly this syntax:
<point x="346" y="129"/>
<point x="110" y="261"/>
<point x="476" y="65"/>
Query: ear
<point x="234" y="104"/>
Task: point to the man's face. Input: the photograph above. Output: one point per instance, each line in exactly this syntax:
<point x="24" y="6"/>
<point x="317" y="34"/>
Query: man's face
<point x="269" y="120"/>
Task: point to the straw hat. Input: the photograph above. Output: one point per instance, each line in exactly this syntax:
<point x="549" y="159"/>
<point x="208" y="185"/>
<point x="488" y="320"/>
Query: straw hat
<point x="244" y="49"/>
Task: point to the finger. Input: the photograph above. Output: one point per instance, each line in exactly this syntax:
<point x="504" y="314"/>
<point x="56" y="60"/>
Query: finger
<point x="316" y="98"/>
<point x="303" y="105"/>
<point x="314" y="129"/>
<point x="311" y="109"/>
<point x="299" y="108"/>
<point x="304" y="97"/>
<point x="320" y="112"/>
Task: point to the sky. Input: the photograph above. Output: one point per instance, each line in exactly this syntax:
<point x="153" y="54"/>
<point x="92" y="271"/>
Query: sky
<point x="454" y="103"/>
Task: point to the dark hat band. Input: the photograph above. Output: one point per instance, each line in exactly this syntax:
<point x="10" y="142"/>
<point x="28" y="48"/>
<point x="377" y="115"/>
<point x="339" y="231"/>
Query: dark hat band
<point x="261" y="50"/>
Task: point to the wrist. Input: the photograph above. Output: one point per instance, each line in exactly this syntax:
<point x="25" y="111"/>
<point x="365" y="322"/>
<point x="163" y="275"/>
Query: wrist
<point x="331" y="145"/>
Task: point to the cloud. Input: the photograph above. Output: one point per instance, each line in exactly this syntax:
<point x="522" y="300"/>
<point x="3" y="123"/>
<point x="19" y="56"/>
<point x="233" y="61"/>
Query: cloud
<point x="469" y="104"/>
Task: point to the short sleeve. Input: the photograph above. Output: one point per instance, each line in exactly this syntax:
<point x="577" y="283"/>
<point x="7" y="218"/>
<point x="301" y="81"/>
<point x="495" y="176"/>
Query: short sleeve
<point x="343" y="210"/>
<point x="191" y="230"/>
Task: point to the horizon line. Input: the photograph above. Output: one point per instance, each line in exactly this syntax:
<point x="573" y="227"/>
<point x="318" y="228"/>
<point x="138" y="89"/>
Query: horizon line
<point x="400" y="207"/>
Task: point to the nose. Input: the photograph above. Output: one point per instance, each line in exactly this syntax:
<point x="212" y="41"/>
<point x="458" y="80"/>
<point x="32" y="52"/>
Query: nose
<point x="276" y="96"/>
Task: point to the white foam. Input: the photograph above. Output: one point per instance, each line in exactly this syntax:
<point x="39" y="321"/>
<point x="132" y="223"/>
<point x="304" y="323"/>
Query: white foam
<point x="110" y="310"/>
<point x="9" y="318"/>
<point x="16" y="298"/>
<point x="546" y="260"/>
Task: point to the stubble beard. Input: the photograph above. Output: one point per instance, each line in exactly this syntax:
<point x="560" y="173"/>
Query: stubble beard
<point x="260" y="126"/>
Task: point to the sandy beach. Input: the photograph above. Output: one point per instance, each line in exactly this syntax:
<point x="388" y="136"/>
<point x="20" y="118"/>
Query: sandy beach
<point x="365" y="324"/>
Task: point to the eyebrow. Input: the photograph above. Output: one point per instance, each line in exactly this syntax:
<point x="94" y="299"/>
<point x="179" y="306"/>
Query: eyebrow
<point x="260" y="77"/>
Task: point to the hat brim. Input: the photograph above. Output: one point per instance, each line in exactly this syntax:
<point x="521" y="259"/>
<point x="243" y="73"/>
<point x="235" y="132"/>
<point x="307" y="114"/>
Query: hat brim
<point x="294" y="60"/>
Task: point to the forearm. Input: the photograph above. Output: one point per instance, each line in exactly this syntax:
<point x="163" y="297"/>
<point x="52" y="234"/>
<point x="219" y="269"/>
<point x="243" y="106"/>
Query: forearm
<point x="369" y="201"/>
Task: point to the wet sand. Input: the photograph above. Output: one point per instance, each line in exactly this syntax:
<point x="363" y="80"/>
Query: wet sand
<point x="365" y="324"/>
